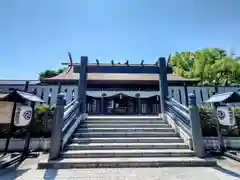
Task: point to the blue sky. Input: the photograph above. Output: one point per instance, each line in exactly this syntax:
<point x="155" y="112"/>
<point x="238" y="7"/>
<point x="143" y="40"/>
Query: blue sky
<point x="36" y="35"/>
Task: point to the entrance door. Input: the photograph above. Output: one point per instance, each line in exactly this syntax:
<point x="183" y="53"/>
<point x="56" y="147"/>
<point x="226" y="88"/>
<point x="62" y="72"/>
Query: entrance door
<point x="123" y="105"/>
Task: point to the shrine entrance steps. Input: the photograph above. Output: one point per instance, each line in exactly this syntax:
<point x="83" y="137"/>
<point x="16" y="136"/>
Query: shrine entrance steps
<point x="125" y="141"/>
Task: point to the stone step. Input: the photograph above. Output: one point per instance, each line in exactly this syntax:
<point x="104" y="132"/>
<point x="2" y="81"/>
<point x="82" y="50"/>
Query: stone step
<point x="123" y="125"/>
<point x="123" y="117"/>
<point x="125" y="134"/>
<point x="127" y="162"/>
<point x="128" y="153"/>
<point x="128" y="140"/>
<point x="125" y="130"/>
<point x="129" y="121"/>
<point x="108" y="146"/>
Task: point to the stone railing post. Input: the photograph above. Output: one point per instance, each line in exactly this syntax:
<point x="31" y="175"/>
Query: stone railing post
<point x="56" y="136"/>
<point x="197" y="137"/>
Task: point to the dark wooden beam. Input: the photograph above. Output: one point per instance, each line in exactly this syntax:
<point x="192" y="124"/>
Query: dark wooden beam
<point x="122" y="69"/>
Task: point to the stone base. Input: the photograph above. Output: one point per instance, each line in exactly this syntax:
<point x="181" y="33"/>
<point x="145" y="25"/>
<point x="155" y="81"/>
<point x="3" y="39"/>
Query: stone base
<point x="127" y="162"/>
<point x="18" y="144"/>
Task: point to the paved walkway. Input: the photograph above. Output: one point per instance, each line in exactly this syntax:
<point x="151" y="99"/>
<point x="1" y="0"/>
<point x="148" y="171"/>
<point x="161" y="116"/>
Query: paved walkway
<point x="227" y="170"/>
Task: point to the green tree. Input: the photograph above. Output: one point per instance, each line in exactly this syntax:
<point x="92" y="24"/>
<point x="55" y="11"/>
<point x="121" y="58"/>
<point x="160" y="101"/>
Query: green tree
<point x="183" y="64"/>
<point x="51" y="73"/>
<point x="209" y="65"/>
<point x="227" y="71"/>
<point x="204" y="61"/>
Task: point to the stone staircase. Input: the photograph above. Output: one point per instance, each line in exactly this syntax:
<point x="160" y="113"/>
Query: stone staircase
<point x="119" y="141"/>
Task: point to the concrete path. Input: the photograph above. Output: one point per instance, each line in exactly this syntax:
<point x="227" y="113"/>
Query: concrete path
<point x="227" y="170"/>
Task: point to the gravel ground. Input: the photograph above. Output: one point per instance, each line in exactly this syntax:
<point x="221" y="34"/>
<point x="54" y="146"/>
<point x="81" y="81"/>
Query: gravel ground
<point x="227" y="170"/>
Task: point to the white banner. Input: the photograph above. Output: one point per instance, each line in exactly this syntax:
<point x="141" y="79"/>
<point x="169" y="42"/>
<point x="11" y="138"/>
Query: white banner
<point x="225" y="115"/>
<point x="23" y="115"/>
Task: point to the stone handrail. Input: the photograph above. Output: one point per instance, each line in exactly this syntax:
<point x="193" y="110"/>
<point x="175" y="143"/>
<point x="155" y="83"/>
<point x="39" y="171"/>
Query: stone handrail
<point x="69" y="105"/>
<point x="65" y="121"/>
<point x="178" y="105"/>
<point x="188" y="120"/>
<point x="69" y="117"/>
<point x="181" y="114"/>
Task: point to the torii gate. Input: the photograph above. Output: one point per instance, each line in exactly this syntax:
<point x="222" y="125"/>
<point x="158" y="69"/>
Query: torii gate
<point x="159" y="68"/>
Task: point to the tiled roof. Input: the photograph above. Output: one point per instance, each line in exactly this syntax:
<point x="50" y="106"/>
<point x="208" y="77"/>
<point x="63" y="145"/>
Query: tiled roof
<point x="18" y="82"/>
<point x="68" y="74"/>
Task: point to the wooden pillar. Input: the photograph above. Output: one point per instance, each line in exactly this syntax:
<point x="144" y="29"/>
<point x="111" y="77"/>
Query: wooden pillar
<point x="216" y="89"/>
<point x="92" y="101"/>
<point x="90" y="106"/>
<point x="134" y="106"/>
<point x="82" y="85"/>
<point x="185" y="93"/>
<point x="159" y="105"/>
<point x="150" y="105"/>
<point x="114" y="106"/>
<point x="26" y="86"/>
<point x="163" y="84"/>
<point x="143" y="106"/>
<point x="103" y="104"/>
<point x="98" y="106"/>
<point x="138" y="104"/>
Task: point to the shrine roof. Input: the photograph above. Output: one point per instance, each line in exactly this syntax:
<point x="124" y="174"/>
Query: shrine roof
<point x="69" y="74"/>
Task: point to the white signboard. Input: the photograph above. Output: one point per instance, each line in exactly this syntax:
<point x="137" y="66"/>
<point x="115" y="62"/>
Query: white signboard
<point x="6" y="109"/>
<point x="23" y="115"/>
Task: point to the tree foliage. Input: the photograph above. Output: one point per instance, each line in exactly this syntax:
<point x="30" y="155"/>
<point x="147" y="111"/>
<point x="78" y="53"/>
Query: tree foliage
<point x="211" y="66"/>
<point x="50" y="73"/>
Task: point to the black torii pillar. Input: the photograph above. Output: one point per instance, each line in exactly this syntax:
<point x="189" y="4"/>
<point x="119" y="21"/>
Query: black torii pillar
<point x="163" y="84"/>
<point x="82" y="84"/>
